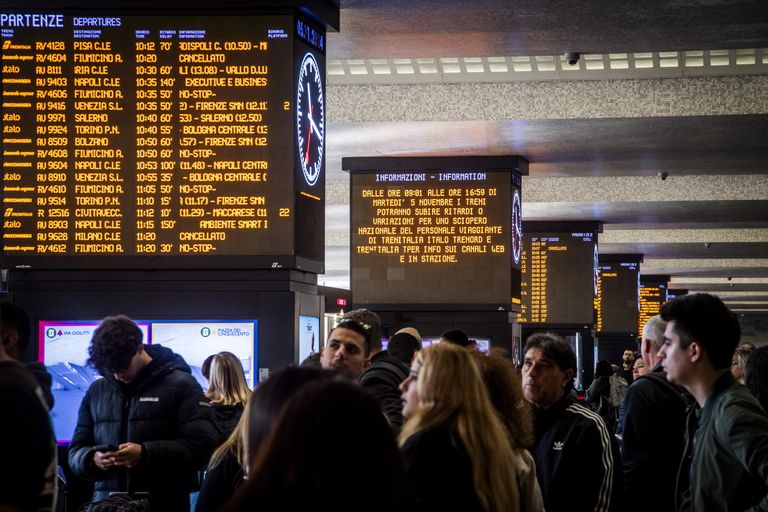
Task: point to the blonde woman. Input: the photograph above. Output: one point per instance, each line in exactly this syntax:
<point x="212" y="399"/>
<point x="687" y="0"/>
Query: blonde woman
<point x="227" y="391"/>
<point x="457" y="454"/>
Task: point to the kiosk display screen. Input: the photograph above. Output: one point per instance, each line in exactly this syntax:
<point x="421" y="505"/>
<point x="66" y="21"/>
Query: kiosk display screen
<point x="63" y="350"/>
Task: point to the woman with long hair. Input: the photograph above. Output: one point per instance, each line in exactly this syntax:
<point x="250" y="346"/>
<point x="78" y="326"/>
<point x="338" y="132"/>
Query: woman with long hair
<point x="331" y="449"/>
<point x="739" y="363"/>
<point x="506" y="394"/>
<point x="229" y="463"/>
<point x="228" y="392"/>
<point x="458" y="455"/>
<point x="598" y="395"/>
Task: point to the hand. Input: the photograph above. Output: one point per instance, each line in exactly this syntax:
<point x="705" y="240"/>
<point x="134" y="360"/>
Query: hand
<point x="129" y="455"/>
<point x="104" y="460"/>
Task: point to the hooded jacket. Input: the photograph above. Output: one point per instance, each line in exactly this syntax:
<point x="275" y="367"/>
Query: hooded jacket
<point x="165" y="411"/>
<point x="729" y="470"/>
<point x="577" y="460"/>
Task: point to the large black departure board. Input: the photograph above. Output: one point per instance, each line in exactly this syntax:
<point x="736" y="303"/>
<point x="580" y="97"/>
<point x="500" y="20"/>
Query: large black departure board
<point x="162" y="141"/>
<point x="436" y="237"/>
<point x="559" y="277"/>
<point x="617" y="301"/>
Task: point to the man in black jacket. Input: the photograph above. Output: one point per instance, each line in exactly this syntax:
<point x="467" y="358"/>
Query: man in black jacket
<point x="654" y="430"/>
<point x="729" y="468"/>
<point x="576" y="458"/>
<point x="151" y="409"/>
<point x="388" y="369"/>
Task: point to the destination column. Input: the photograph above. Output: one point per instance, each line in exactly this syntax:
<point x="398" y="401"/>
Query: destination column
<point x="99" y="146"/>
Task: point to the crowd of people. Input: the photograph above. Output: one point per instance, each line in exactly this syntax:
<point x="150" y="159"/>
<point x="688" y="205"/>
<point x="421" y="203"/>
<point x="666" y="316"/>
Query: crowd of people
<point x="440" y="428"/>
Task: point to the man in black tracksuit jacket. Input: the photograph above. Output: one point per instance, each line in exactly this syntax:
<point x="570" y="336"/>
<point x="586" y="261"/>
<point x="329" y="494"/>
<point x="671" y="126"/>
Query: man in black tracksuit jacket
<point x="577" y="460"/>
<point x="149" y="405"/>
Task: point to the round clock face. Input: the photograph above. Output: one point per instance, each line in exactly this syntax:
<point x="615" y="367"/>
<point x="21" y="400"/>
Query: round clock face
<point x="310" y="119"/>
<point x="517" y="227"/>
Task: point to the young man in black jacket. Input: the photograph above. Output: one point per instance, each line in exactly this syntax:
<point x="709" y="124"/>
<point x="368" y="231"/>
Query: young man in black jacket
<point x="151" y="411"/>
<point x="729" y="468"/>
<point x="576" y="458"/>
<point x="653" y="430"/>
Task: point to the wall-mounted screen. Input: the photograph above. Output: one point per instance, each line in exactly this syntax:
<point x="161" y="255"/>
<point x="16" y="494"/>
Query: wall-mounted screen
<point x="195" y="340"/>
<point x="435" y="237"/>
<point x="652" y="296"/>
<point x="617" y="300"/>
<point x="310" y="341"/>
<point x="63" y="349"/>
<point x="134" y="141"/>
<point x="559" y="278"/>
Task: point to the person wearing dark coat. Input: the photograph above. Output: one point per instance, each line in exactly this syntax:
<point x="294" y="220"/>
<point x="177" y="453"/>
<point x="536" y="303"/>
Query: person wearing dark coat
<point x="150" y="408"/>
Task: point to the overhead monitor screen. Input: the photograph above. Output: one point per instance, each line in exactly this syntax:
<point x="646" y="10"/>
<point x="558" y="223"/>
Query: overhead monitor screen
<point x="159" y="141"/>
<point x="559" y="278"/>
<point x="617" y="301"/>
<point x="195" y="340"/>
<point x="63" y="350"/>
<point x="435" y="237"/>
<point x="652" y="296"/>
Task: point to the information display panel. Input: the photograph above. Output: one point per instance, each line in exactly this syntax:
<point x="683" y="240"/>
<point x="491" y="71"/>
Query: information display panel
<point x="136" y="141"/>
<point x="617" y="302"/>
<point x="435" y="237"/>
<point x="559" y="278"/>
<point x="652" y="296"/>
<point x="63" y="349"/>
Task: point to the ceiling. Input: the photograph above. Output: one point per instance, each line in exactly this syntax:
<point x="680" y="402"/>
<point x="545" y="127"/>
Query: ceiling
<point x="596" y="140"/>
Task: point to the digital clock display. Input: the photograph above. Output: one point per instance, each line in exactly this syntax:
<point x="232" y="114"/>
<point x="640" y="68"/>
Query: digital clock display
<point x="158" y="141"/>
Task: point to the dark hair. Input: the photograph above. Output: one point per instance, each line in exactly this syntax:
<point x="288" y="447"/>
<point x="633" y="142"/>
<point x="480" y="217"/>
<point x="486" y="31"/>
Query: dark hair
<point x="117" y="504"/>
<point x="402" y="346"/>
<point x="603" y="369"/>
<point x="757" y="375"/>
<point x="268" y="400"/>
<point x="555" y="348"/>
<point x="372" y="324"/>
<point x="506" y="393"/>
<point x="205" y="369"/>
<point x="329" y="432"/>
<point x="456" y="337"/>
<point x="13" y="317"/>
<point x="114" y="343"/>
<point x="363" y="330"/>
<point x="312" y="360"/>
<point x="704" y="318"/>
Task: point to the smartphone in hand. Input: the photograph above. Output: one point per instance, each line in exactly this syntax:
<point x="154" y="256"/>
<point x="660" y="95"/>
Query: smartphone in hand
<point x="106" y="448"/>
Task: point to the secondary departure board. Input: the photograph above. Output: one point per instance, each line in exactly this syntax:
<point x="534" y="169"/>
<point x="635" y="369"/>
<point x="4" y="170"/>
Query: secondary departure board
<point x="133" y="141"/>
<point x="617" y="300"/>
<point x="435" y="237"/>
<point x="559" y="278"/>
<point x="652" y="296"/>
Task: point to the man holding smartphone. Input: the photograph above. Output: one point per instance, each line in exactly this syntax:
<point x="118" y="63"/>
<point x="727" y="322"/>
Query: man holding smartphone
<point x="145" y="428"/>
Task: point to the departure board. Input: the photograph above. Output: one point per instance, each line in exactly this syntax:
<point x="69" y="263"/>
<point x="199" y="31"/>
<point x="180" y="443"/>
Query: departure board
<point x="617" y="300"/>
<point x="559" y="278"/>
<point x="652" y="296"/>
<point x="137" y="140"/>
<point x="435" y="237"/>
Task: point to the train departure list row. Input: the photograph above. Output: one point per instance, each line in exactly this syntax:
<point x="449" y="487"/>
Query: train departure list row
<point x="425" y="231"/>
<point x="133" y="135"/>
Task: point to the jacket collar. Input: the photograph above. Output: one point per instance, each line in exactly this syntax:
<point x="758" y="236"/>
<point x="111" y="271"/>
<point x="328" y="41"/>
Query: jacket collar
<point x="723" y="383"/>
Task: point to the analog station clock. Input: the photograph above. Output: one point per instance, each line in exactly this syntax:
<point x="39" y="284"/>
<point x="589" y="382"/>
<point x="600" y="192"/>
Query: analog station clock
<point x="310" y="119"/>
<point x="517" y="227"/>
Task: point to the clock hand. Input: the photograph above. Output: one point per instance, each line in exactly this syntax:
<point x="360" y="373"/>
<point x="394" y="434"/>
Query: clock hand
<point x="309" y="136"/>
<point x="314" y="127"/>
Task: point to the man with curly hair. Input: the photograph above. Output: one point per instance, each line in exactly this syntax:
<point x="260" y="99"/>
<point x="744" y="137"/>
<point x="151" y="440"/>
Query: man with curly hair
<point x="146" y="426"/>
